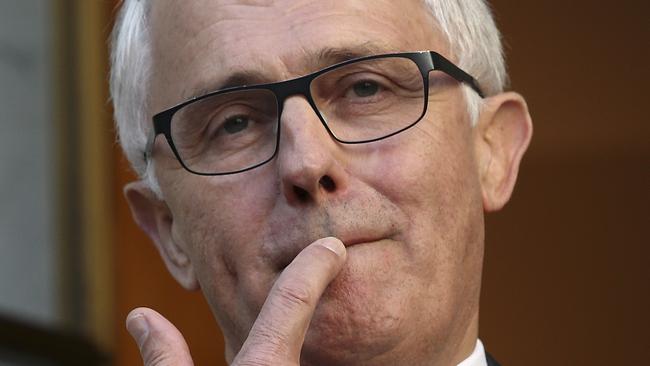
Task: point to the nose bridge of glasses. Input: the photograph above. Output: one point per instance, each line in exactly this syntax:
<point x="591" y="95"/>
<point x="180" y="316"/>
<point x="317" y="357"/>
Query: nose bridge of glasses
<point x="299" y="87"/>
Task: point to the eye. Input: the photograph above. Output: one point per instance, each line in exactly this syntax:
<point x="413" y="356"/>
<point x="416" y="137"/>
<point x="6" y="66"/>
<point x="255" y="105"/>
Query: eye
<point x="236" y="124"/>
<point x="365" y="88"/>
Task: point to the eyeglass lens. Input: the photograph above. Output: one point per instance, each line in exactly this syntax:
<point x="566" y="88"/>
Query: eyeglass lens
<point x="359" y="101"/>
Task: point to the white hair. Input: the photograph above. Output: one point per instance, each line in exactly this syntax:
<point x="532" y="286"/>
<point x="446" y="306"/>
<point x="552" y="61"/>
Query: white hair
<point x="129" y="84"/>
<point x="474" y="44"/>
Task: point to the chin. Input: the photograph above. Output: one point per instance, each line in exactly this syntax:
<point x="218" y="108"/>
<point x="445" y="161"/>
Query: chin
<point x="354" y="323"/>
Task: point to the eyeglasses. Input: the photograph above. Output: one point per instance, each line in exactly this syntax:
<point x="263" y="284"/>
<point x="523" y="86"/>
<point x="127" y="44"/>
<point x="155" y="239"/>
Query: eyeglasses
<point x="358" y="101"/>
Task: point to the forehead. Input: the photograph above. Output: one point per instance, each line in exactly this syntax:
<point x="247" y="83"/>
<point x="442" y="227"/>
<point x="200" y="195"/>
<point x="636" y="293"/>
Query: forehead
<point x="197" y="44"/>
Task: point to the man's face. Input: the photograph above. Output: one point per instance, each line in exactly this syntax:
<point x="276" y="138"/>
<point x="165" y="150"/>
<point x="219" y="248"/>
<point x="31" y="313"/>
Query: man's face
<point x="409" y="206"/>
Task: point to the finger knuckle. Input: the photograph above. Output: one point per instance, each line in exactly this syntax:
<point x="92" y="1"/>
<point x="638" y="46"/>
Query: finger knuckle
<point x="264" y="357"/>
<point x="254" y="361"/>
<point x="294" y="294"/>
<point x="268" y="340"/>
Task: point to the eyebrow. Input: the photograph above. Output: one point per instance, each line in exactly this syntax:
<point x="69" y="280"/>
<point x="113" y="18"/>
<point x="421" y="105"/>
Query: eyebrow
<point x="315" y="61"/>
<point x="333" y="55"/>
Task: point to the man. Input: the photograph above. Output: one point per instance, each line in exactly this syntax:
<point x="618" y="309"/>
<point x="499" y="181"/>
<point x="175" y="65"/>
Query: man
<point x="320" y="170"/>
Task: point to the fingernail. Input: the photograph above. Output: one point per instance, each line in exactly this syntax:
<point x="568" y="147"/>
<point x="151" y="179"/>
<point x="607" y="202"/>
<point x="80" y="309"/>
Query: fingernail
<point x="334" y="245"/>
<point x="138" y="327"/>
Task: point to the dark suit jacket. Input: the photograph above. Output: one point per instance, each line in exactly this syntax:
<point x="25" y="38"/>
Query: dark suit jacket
<point x="490" y="360"/>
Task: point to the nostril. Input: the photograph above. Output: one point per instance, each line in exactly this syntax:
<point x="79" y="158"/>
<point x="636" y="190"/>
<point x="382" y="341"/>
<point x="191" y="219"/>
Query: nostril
<point x="304" y="195"/>
<point x="301" y="194"/>
<point x="327" y="183"/>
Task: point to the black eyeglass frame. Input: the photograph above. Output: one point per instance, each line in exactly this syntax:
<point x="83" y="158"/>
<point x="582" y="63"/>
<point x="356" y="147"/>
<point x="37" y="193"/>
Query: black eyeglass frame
<point x="426" y="62"/>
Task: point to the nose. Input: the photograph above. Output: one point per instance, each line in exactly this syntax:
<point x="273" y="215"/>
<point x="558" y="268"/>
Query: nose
<point x="310" y="161"/>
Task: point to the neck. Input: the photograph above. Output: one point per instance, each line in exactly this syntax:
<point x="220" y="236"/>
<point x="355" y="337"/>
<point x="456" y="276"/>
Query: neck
<point x="468" y="342"/>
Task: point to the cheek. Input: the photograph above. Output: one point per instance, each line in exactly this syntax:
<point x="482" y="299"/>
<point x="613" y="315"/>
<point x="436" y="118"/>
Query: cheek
<point x="219" y="221"/>
<point x="224" y="215"/>
<point x="429" y="172"/>
<point x="425" y="167"/>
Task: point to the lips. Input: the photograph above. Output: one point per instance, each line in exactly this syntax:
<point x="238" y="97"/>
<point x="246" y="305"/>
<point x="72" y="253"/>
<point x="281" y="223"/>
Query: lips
<point x="352" y="240"/>
<point x="288" y="253"/>
<point x="354" y="222"/>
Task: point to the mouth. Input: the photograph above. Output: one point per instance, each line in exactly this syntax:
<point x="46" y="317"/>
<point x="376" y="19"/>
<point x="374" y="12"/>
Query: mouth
<point x="348" y="241"/>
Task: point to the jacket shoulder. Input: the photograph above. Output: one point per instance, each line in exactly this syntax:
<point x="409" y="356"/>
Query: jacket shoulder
<point x="490" y="360"/>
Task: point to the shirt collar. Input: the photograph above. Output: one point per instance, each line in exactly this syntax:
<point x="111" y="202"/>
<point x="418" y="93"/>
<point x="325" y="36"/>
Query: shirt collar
<point x="477" y="358"/>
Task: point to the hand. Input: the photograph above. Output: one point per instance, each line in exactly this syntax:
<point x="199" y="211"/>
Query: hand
<point x="277" y="335"/>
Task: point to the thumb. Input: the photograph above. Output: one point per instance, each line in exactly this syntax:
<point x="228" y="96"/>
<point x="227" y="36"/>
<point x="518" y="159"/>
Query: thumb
<point x="160" y="343"/>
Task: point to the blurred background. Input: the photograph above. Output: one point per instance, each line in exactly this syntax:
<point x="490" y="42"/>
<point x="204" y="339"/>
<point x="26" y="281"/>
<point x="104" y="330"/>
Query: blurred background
<point x="566" y="279"/>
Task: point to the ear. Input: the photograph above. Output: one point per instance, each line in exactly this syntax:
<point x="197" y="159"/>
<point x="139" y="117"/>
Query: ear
<point x="503" y="133"/>
<point x="154" y="217"/>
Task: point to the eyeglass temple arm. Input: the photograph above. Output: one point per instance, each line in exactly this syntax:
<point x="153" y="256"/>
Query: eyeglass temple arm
<point x="147" y="149"/>
<point x="161" y="125"/>
<point x="442" y="64"/>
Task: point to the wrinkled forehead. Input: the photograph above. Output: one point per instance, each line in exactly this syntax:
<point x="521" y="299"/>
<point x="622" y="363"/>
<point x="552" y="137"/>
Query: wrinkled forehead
<point x="197" y="44"/>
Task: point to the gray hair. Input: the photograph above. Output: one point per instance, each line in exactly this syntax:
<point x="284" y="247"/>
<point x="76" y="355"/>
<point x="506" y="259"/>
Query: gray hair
<point x="468" y="25"/>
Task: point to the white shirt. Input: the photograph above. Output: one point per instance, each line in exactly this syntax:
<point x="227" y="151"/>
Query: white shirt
<point x="477" y="358"/>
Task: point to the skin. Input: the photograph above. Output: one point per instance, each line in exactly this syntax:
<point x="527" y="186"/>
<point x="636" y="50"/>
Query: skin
<point x="409" y="209"/>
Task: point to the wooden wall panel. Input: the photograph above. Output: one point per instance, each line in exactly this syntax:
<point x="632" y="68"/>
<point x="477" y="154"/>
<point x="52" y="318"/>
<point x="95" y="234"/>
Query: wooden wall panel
<point x="566" y="278"/>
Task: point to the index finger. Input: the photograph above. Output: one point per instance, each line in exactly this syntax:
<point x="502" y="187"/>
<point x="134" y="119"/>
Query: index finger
<point x="279" y="331"/>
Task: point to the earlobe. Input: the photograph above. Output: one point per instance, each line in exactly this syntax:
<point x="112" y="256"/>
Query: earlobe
<point x="503" y="134"/>
<point x="154" y="218"/>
